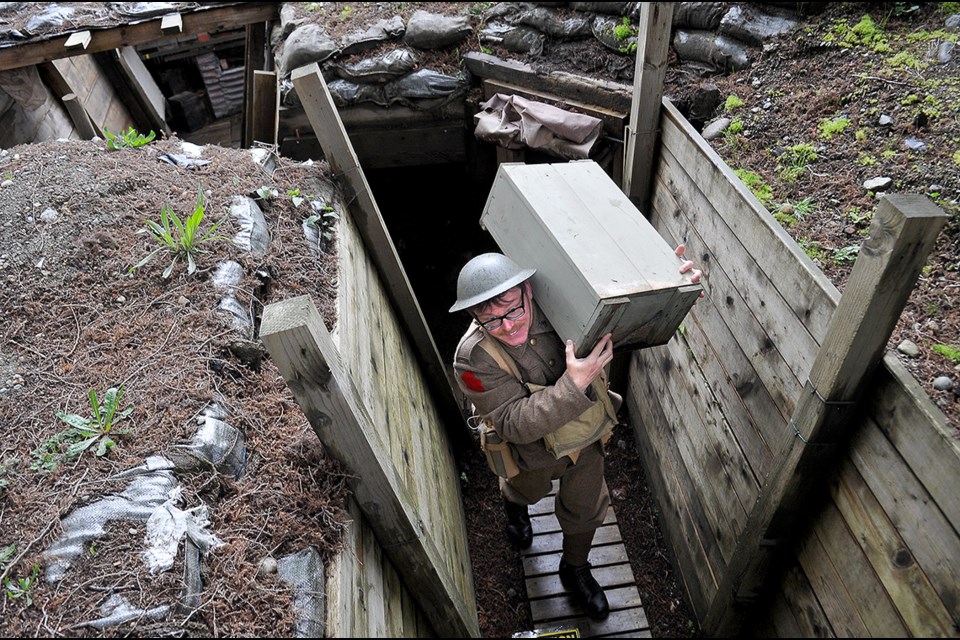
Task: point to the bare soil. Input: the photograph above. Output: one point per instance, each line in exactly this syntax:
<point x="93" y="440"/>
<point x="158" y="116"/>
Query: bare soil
<point x="76" y="319"/>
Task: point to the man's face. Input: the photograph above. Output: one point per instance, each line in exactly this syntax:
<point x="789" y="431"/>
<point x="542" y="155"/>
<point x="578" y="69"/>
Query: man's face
<point x="507" y="318"/>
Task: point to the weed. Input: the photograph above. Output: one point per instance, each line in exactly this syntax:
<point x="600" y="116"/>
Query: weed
<point x="85" y="432"/>
<point x="948" y="8"/>
<point x="866" y="160"/>
<point x="323" y="220"/>
<point x="845" y="254"/>
<point x="5" y="555"/>
<point x="956" y="157"/>
<point x="733" y="102"/>
<point x="182" y="239"/>
<point x="795" y="160"/>
<point x="948" y="351"/>
<point x="345" y="13"/>
<point x="789" y="214"/>
<point x="22" y="587"/>
<point x="131" y="138"/>
<point x="267" y="193"/>
<point x="857" y="216"/>
<point x="756" y="184"/>
<point x="830" y="127"/>
<point x="4" y="467"/>
<point x="813" y="250"/>
<point x="890" y="153"/>
<point x="860" y="135"/>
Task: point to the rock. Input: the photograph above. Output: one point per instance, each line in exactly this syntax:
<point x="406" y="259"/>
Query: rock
<point x="6" y="183"/>
<point x="945" y="52"/>
<point x="914" y="143"/>
<point x="908" y="348"/>
<point x="881" y="183"/>
<point x="268" y="566"/>
<point x="715" y="128"/>
<point x="49" y="216"/>
<point x="885" y="121"/>
<point x="953" y="22"/>
<point x="943" y="383"/>
<point x="935" y="188"/>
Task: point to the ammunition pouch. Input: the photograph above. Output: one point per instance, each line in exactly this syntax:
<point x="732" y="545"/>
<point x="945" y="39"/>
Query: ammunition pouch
<point x="596" y="423"/>
<point x="501" y="455"/>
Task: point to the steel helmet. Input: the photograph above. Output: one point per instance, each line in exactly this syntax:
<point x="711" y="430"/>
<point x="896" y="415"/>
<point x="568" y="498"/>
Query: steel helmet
<point x="486" y="276"/>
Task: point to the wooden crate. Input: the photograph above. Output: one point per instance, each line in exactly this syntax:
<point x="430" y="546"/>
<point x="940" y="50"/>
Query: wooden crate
<point x="601" y="266"/>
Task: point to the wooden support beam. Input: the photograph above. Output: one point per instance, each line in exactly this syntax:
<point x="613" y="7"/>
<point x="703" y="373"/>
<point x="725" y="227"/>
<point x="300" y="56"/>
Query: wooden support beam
<point x="300" y="346"/>
<point x="81" y="119"/>
<point x="609" y="95"/>
<point x="78" y="41"/>
<point x="202" y="21"/>
<point x="171" y="24"/>
<point x="144" y="88"/>
<point x="653" y="47"/>
<point x="337" y="149"/>
<point x="256" y="58"/>
<point x="903" y="232"/>
<point x="266" y="107"/>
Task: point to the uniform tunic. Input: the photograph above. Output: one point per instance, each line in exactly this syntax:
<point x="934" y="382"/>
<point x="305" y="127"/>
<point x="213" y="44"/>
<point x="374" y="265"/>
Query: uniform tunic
<point x="523" y="419"/>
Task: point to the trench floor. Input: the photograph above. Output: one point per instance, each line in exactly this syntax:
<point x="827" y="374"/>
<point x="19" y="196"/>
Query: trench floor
<point x="553" y="611"/>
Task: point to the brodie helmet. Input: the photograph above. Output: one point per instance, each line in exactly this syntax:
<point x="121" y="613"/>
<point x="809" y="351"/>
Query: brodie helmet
<point x="485" y="277"/>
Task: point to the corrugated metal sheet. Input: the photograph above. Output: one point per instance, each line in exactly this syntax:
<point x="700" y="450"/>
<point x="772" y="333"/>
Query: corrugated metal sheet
<point x="224" y="86"/>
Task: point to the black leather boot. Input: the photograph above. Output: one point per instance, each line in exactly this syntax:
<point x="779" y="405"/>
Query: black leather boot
<point x="585" y="589"/>
<point x="519" y="530"/>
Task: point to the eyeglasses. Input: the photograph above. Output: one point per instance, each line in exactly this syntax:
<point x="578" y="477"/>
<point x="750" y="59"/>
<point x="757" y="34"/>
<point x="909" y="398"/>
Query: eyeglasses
<point x="512" y="314"/>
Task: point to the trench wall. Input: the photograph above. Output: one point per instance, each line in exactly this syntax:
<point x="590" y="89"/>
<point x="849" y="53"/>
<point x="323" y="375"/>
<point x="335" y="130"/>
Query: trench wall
<point x="711" y="407"/>
<point x="366" y="596"/>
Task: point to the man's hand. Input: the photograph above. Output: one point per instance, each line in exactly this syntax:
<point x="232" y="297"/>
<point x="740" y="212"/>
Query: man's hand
<point x="688" y="265"/>
<point x="583" y="371"/>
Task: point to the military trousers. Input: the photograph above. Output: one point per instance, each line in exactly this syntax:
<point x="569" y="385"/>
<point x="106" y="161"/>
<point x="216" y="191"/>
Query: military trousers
<point x="582" y="498"/>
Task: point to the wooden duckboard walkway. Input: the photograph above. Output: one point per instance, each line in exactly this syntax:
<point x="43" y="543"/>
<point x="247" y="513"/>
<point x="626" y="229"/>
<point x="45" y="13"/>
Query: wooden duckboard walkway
<point x="552" y="609"/>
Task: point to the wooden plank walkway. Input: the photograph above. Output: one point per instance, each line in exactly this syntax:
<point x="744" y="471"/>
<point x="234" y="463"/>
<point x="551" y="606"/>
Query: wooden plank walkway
<point x="552" y="609"/>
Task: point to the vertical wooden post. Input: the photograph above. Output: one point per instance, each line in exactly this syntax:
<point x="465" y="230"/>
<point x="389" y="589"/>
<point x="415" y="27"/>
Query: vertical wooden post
<point x="265" y="117"/>
<point x="300" y="346"/>
<point x="653" y="45"/>
<point x="255" y="49"/>
<point x="902" y="234"/>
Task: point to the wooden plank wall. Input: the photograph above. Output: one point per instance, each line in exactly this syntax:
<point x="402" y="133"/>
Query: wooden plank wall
<point x="84" y="77"/>
<point x="882" y="555"/>
<point x="384" y="369"/>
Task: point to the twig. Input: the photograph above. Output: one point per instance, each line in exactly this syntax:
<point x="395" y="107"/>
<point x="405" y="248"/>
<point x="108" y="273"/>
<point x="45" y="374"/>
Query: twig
<point x="905" y="84"/>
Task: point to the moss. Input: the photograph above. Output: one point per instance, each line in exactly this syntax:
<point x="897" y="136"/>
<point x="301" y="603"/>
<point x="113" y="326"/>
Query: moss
<point x="833" y="126"/>
<point x="904" y="60"/>
<point x="756" y="184"/>
<point x="956" y="157"/>
<point x="733" y="102"/>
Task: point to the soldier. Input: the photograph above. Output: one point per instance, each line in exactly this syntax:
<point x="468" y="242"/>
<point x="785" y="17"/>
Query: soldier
<point x="553" y="408"/>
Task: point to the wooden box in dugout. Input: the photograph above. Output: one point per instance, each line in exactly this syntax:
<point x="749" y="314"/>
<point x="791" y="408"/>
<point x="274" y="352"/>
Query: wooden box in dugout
<point x="601" y="266"/>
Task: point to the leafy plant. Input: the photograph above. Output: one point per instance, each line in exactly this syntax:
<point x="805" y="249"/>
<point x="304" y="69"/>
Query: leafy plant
<point x="345" y="13"/>
<point x="6" y="554"/>
<point x="22" y="587"/>
<point x="948" y="351"/>
<point x="129" y="138"/>
<point x="788" y="214"/>
<point x="845" y="254"/>
<point x="181" y="238"/>
<point x="323" y="220"/>
<point x="96" y="430"/>
<point x="795" y="160"/>
<point x="296" y="197"/>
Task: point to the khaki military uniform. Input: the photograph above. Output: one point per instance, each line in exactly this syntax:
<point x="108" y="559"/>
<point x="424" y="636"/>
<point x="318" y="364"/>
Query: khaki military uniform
<point x="524" y="419"/>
